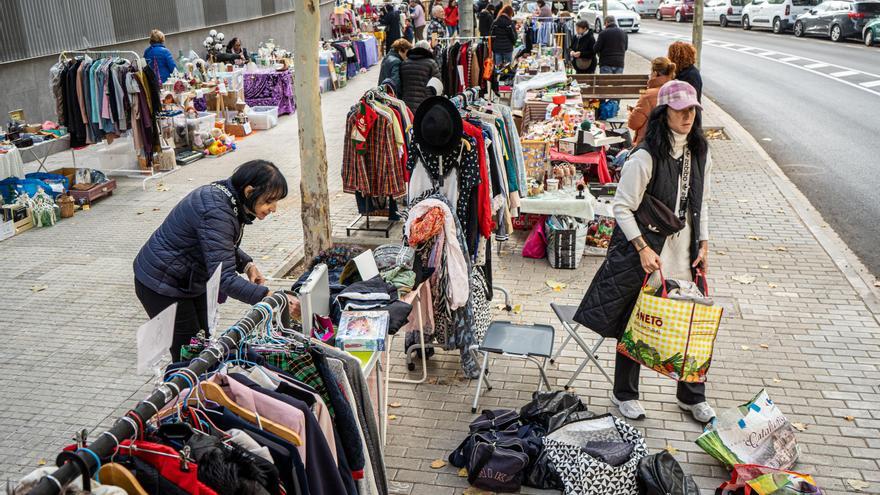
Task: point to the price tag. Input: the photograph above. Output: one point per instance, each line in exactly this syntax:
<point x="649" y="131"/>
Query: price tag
<point x="154" y="339"/>
<point x="213" y="295"/>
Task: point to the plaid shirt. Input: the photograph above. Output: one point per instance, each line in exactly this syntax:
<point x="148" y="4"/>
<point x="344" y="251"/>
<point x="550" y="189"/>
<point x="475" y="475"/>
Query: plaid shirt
<point x="378" y="172"/>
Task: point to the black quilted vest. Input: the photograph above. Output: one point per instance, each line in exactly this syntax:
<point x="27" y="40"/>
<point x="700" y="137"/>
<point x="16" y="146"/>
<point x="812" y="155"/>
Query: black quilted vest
<point x="607" y="305"/>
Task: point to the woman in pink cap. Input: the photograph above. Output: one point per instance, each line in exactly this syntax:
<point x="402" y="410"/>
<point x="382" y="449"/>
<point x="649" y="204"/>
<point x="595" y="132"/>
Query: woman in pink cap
<point x="661" y="208"/>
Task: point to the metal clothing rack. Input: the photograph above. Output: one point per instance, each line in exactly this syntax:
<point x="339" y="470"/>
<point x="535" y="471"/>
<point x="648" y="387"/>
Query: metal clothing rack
<point x="84" y="461"/>
<point x="141" y="63"/>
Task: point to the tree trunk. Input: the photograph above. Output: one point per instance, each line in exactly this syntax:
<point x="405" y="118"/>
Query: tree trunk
<point x="604" y="12"/>
<point x="312" y="147"/>
<point x="466" y="18"/>
<point x="697" y="34"/>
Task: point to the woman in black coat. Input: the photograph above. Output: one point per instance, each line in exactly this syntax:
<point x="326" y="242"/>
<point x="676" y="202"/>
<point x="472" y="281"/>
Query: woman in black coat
<point x="415" y="72"/>
<point x="673" y="166"/>
<point x="202" y="232"/>
<point x="503" y="36"/>
<point x="391" y="20"/>
<point x="582" y="55"/>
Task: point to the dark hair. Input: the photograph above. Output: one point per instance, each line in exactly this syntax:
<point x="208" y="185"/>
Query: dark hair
<point x="490" y="7"/>
<point x="541" y="3"/>
<point x="268" y="182"/>
<point x="659" y="135"/>
<point x="231" y="45"/>
<point x="585" y="25"/>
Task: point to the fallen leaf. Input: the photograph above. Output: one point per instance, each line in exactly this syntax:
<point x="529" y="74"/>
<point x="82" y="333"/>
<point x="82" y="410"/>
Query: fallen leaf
<point x="517" y="309"/>
<point x="265" y="257"/>
<point x="858" y="485"/>
<point x="190" y="180"/>
<point x="474" y="491"/>
<point x="777" y="380"/>
<point x="772" y="286"/>
<point x="744" y="347"/>
<point x="764" y="267"/>
<point x="742" y="200"/>
<point x="755" y="238"/>
<point x="672" y="450"/>
<point x="799" y="426"/>
<point x="41" y="462"/>
<point x="462" y="473"/>
<point x="157" y="209"/>
<point x="849" y="418"/>
<point x="392" y="417"/>
<point x="39" y="288"/>
<point x="765" y="346"/>
<point x="439" y="463"/>
<point x="745" y="279"/>
<point x="780" y="248"/>
<point x="86" y="207"/>
<point x="556" y="286"/>
<point x="721" y="253"/>
<point x="500" y="306"/>
<point x="766" y="139"/>
<point x="140" y="213"/>
<point x="394" y="404"/>
<point x="877" y="283"/>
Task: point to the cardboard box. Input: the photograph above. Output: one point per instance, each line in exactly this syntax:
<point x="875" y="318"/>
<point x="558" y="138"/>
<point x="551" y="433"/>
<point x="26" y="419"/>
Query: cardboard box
<point x="598" y="140"/>
<point x="238" y="130"/>
<point x="20" y="217"/>
<point x="571" y="146"/>
<point x="68" y="172"/>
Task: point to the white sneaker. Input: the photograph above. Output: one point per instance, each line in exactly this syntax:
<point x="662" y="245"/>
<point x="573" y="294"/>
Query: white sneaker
<point x="630" y="409"/>
<point x="701" y="412"/>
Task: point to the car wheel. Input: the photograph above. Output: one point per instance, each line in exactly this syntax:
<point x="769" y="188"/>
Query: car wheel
<point x="723" y="21"/>
<point x="598" y="25"/>
<point x="777" y="26"/>
<point x="869" y="38"/>
<point x="658" y="15"/>
<point x="799" y="29"/>
<point x="835" y="33"/>
<point x="745" y="23"/>
<point x="679" y="17"/>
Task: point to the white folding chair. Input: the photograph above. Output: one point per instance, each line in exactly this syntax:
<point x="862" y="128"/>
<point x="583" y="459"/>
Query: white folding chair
<point x="566" y="318"/>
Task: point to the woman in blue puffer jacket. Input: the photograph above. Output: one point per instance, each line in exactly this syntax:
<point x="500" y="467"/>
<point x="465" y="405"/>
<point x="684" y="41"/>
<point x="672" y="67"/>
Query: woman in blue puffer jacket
<point x="158" y="57"/>
<point x="201" y="232"/>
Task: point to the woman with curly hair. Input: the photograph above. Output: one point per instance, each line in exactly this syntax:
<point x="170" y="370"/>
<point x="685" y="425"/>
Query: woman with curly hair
<point x="684" y="56"/>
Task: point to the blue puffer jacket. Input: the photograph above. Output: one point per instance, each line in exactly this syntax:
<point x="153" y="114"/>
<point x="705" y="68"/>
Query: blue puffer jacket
<point x="200" y="232"/>
<point x="160" y="60"/>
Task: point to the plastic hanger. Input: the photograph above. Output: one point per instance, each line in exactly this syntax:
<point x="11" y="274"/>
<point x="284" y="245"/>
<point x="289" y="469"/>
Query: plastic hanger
<point x="117" y="475"/>
<point x="214" y="392"/>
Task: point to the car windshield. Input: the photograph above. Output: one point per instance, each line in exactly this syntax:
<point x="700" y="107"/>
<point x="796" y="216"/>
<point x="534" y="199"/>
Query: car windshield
<point x="868" y="8"/>
<point x="617" y="6"/>
<point x="736" y="3"/>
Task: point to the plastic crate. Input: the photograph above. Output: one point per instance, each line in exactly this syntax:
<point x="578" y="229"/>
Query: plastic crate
<point x="263" y="118"/>
<point x="203" y="123"/>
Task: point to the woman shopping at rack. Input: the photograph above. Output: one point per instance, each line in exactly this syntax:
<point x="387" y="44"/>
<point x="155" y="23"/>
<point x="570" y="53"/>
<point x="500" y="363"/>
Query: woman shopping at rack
<point x="201" y="232"/>
<point x="661" y="208"/>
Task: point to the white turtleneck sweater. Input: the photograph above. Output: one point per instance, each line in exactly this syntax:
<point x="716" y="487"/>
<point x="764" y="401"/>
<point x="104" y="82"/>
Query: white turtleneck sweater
<point x="634" y="179"/>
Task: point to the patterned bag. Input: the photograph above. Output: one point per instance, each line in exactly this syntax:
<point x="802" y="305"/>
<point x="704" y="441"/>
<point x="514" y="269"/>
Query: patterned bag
<point x="583" y="474"/>
<point x="672" y="337"/>
<point x="482" y="308"/>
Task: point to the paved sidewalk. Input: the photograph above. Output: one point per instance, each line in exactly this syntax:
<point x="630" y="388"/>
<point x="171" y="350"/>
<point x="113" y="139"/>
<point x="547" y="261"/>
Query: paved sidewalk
<point x="73" y="366"/>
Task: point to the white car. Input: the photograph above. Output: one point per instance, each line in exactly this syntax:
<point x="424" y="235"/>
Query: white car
<point x="643" y="7"/>
<point x="626" y="18"/>
<point x="778" y="15"/>
<point x="722" y="12"/>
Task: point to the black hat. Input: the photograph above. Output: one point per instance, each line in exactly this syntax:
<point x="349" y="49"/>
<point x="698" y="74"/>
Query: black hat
<point x="438" y="126"/>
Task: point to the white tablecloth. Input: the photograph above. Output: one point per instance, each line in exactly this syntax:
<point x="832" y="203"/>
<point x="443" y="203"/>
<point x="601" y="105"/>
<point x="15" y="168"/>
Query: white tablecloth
<point x="560" y="203"/>
<point x="11" y="164"/>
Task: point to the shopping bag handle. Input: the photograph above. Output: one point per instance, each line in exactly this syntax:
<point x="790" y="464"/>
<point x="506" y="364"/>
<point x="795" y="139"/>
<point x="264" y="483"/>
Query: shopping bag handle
<point x="701" y="275"/>
<point x="665" y="293"/>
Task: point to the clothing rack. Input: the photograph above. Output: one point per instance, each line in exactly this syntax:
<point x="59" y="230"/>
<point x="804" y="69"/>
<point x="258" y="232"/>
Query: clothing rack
<point x="73" y="464"/>
<point x="141" y="63"/>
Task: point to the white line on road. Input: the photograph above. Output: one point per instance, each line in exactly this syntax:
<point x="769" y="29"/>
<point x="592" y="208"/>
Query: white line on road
<point x="870" y="84"/>
<point x="789" y="59"/>
<point x="767" y="54"/>
<point x="817" y="65"/>
<point x="844" y="73"/>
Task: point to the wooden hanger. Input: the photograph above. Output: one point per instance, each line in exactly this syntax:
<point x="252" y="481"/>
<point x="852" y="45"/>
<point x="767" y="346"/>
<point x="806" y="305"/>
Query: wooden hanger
<point x="117" y="475"/>
<point x="214" y="392"/>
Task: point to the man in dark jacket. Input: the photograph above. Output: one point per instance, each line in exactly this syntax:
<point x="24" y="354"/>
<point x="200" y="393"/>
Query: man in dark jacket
<point x="415" y="73"/>
<point x="391" y="20"/>
<point x="503" y="34"/>
<point x="611" y="46"/>
<point x="485" y="19"/>
<point x="582" y="55"/>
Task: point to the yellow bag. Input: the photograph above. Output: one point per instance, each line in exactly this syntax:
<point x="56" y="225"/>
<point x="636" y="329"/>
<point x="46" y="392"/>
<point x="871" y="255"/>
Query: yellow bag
<point x="672" y="337"/>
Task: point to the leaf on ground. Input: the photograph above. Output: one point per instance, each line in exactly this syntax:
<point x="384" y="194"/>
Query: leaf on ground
<point x="756" y="238"/>
<point x="437" y="464"/>
<point x="764" y="267"/>
<point x="781" y="248"/>
<point x="765" y="346"/>
<point x="744" y="347"/>
<point x="877" y="283"/>
<point x="39" y="288"/>
<point x="140" y="213"/>
<point x="799" y="426"/>
<point x="462" y="473"/>
<point x="394" y="404"/>
<point x="772" y="286"/>
<point x="556" y="286"/>
<point x="517" y="309"/>
<point x="475" y="491"/>
<point x="41" y="462"/>
<point x="500" y="306"/>
<point x="849" y="418"/>
<point x="86" y="207"/>
<point x="392" y="417"/>
<point x="766" y="139"/>
<point x="745" y="279"/>
<point x="858" y="485"/>
<point x="777" y="380"/>
<point x="157" y="209"/>
<point x="264" y="257"/>
<point x="721" y="253"/>
<point x="672" y="450"/>
<point x="742" y="200"/>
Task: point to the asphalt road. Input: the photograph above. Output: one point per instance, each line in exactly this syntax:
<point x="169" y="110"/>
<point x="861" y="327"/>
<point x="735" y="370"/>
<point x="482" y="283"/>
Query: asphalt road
<point x="813" y="105"/>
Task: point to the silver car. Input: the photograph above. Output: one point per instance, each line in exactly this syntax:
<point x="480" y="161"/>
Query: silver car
<point x="626" y="18"/>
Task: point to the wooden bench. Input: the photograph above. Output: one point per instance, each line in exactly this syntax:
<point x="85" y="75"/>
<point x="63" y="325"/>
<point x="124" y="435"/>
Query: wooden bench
<point x="611" y="86"/>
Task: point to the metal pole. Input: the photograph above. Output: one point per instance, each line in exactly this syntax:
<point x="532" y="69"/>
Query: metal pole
<point x="104" y="445"/>
<point x="697" y="34"/>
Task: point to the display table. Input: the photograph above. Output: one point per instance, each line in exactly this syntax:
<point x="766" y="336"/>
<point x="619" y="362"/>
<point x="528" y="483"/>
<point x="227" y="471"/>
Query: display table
<point x="596" y="158"/>
<point x="270" y="88"/>
<point x="11" y="164"/>
<point x="368" y="51"/>
<point x="560" y="203"/>
<point x="41" y="151"/>
<point x="535" y="109"/>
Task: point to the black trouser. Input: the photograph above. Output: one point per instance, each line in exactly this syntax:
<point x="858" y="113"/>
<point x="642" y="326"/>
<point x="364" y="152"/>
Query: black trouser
<point x="626" y="383"/>
<point x="192" y="314"/>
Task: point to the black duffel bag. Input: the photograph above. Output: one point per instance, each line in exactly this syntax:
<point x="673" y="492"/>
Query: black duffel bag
<point x="661" y="474"/>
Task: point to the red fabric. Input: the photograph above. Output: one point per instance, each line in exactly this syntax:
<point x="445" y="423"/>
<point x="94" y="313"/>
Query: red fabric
<point x="463" y="61"/>
<point x="484" y="195"/>
<point x="596" y="158"/>
<point x="451" y="15"/>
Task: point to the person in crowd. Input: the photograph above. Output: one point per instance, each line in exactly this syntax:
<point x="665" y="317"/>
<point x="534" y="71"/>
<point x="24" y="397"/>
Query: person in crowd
<point x="673" y="163"/>
<point x="451" y="11"/>
<point x="409" y="33"/>
<point x="485" y="19"/>
<point x="544" y="9"/>
<point x="662" y="71"/>
<point x="417" y="14"/>
<point x="503" y="34"/>
<point x="391" y="20"/>
<point x="158" y="57"/>
<point x="480" y="5"/>
<point x="240" y="54"/>
<point x="611" y="46"/>
<point x="684" y="56"/>
<point x="437" y="25"/>
<point x="416" y="72"/>
<point x="201" y="233"/>
<point x="582" y="55"/>
<point x="390" y="70"/>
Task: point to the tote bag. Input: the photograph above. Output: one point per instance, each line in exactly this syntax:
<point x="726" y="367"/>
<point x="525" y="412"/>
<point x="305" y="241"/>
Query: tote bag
<point x="672" y="337"/>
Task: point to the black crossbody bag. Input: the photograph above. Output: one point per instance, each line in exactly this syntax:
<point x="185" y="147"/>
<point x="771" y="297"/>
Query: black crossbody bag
<point x="659" y="218"/>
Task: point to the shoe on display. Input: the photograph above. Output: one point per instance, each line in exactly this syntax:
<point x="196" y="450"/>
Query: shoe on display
<point x="701" y="412"/>
<point x="630" y="409"/>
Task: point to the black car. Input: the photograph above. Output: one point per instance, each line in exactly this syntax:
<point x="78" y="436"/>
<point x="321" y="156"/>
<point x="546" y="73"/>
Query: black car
<point x="837" y="19"/>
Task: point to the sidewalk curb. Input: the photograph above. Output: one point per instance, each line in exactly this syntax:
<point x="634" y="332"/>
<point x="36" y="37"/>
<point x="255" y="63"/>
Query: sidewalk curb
<point x="843" y="257"/>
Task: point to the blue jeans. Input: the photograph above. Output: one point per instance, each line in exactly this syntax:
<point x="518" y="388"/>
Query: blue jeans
<point x="503" y="58"/>
<point x="451" y="30"/>
<point x="607" y="69"/>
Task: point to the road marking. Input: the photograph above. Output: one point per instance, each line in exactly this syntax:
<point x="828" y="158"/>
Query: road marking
<point x="817" y="65"/>
<point x="870" y="84"/>
<point x="767" y="54"/>
<point x="789" y="59"/>
<point x="844" y="73"/>
<point x="746" y="49"/>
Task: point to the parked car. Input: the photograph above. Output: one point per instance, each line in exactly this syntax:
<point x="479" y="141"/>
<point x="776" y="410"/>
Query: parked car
<point x="643" y="7"/>
<point x="680" y="10"/>
<point x="626" y="18"/>
<point x="871" y="32"/>
<point x="837" y="19"/>
<point x="777" y="15"/>
<point x="722" y="12"/>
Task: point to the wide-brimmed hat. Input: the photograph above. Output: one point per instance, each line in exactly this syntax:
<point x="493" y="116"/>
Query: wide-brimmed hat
<point x="437" y="126"/>
<point x="678" y="95"/>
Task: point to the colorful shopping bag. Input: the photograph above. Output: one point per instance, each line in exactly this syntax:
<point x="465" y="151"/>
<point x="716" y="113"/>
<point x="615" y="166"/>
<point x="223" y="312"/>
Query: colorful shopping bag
<point x="748" y="479"/>
<point x="672" y="337"/>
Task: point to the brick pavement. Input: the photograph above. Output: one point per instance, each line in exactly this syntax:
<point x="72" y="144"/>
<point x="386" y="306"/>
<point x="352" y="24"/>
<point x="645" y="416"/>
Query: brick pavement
<point x="821" y="361"/>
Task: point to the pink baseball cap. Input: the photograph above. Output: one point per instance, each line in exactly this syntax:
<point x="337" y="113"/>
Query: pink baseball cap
<point x="678" y="95"/>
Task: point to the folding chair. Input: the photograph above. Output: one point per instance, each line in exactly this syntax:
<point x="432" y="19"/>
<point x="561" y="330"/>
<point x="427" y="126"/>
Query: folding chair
<point x="528" y="342"/>
<point x="566" y="318"/>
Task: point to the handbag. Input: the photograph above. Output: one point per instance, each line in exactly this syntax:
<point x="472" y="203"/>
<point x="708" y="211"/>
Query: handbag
<point x="536" y="244"/>
<point x="661" y="474"/>
<point x="497" y="465"/>
<point x="659" y="218"/>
